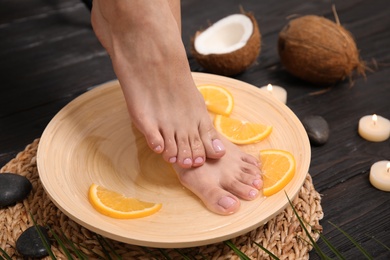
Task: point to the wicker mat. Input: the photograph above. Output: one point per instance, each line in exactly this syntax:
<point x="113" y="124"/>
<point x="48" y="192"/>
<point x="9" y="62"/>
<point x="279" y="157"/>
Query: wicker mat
<point x="282" y="235"/>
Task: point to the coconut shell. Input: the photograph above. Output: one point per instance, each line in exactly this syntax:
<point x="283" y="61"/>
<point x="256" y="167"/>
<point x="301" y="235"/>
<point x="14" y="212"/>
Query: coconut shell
<point x="232" y="63"/>
<point x="318" y="50"/>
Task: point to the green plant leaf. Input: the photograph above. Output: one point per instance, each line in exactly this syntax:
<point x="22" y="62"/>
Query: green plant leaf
<point x="43" y="239"/>
<point x="112" y="250"/>
<point x="150" y="252"/>
<point x="379" y="242"/>
<point x="331" y="247"/>
<point x="79" y="254"/>
<point x="61" y="244"/>
<point x="162" y="251"/>
<point x="103" y="243"/>
<point x="362" y="250"/>
<point x="236" y="250"/>
<point x="7" y="257"/>
<point x="313" y="243"/>
<point x="267" y="251"/>
<point x="185" y="257"/>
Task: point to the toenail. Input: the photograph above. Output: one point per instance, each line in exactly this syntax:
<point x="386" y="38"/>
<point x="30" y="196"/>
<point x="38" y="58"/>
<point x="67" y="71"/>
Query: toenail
<point x="253" y="193"/>
<point x="158" y="148"/>
<point x="199" y="160"/>
<point x="187" y="161"/>
<point x="218" y="145"/>
<point x="256" y="183"/>
<point x="226" y="202"/>
<point x="172" y="159"/>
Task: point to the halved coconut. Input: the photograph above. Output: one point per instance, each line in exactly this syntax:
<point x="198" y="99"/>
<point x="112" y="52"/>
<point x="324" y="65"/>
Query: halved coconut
<point x="228" y="46"/>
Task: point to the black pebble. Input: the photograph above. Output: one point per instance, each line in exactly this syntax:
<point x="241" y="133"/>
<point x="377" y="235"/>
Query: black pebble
<point x="13" y="188"/>
<point x="317" y="129"/>
<point x="30" y="244"/>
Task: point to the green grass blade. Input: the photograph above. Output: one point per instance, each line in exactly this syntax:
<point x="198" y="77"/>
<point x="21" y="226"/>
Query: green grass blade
<point x="45" y="244"/>
<point x="203" y="256"/>
<point x="43" y="239"/>
<point x="362" y="250"/>
<point x="111" y="249"/>
<point x="106" y="253"/>
<point x="150" y="252"/>
<point x="236" y="250"/>
<point x="267" y="251"/>
<point x="313" y="243"/>
<point x="162" y="251"/>
<point x="61" y="244"/>
<point x="331" y="247"/>
<point x="78" y="253"/>
<point x="379" y="242"/>
<point x="185" y="257"/>
<point x="7" y="257"/>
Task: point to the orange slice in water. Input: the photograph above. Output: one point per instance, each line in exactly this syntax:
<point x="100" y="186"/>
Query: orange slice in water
<point x="116" y="205"/>
<point x="218" y="99"/>
<point x="278" y="169"/>
<point x="241" y="132"/>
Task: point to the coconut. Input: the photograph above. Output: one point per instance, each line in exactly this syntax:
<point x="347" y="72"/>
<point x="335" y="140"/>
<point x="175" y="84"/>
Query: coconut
<point x="318" y="50"/>
<point x="229" y="46"/>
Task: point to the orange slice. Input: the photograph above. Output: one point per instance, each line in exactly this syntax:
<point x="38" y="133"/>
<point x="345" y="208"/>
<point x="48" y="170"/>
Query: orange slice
<point x="115" y="205"/>
<point x="218" y="99"/>
<point x="241" y="132"/>
<point x="278" y="169"/>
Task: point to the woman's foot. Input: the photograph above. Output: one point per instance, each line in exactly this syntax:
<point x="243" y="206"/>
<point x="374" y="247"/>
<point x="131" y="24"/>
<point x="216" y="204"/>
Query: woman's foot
<point x="149" y="59"/>
<point x="220" y="183"/>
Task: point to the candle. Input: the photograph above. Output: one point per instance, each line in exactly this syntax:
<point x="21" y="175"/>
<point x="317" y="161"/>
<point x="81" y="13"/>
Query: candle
<point x="374" y="128"/>
<point x="380" y="175"/>
<point x="276" y="91"/>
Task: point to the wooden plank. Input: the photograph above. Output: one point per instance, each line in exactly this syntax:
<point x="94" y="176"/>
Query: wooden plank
<point x="15" y="11"/>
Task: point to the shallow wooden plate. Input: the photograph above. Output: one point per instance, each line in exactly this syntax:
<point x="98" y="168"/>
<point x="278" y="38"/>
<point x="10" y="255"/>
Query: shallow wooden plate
<point x="92" y="140"/>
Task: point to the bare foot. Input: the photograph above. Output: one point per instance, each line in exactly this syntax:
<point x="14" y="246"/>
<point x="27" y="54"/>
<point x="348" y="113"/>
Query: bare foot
<point x="149" y="59"/>
<point x="219" y="183"/>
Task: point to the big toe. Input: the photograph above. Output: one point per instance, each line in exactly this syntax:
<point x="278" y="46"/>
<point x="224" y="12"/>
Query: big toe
<point x="215" y="199"/>
<point x="212" y="141"/>
<point x="214" y="147"/>
<point x="219" y="201"/>
<point x="225" y="205"/>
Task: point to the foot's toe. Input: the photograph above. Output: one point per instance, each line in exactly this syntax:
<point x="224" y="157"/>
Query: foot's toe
<point x="170" y="152"/>
<point x="155" y="140"/>
<point x="219" y="201"/>
<point x="214" y="147"/>
<point x="255" y="180"/>
<point x="251" y="160"/>
<point x="241" y="189"/>
<point x="197" y="150"/>
<point x="184" y="153"/>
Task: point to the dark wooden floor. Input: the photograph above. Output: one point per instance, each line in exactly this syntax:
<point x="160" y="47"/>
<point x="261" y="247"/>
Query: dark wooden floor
<point x="49" y="56"/>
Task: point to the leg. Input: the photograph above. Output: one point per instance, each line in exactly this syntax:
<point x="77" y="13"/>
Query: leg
<point x="218" y="182"/>
<point x="149" y="59"/>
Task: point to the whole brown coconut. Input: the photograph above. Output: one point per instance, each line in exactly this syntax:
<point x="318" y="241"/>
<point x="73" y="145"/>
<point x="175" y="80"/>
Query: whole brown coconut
<point x="318" y="50"/>
<point x="231" y="62"/>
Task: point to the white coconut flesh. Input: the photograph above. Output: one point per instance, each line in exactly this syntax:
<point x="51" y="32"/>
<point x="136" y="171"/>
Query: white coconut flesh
<point x="227" y="35"/>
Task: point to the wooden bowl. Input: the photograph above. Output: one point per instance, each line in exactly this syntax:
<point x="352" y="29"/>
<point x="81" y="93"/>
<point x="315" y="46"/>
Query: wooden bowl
<point x="92" y="140"/>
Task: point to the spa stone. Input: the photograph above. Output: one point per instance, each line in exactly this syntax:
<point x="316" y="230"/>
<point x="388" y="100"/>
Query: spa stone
<point x="30" y="244"/>
<point x="13" y="188"/>
<point x="317" y="129"/>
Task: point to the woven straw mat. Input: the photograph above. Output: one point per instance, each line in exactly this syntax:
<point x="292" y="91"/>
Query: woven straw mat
<point x="282" y="235"/>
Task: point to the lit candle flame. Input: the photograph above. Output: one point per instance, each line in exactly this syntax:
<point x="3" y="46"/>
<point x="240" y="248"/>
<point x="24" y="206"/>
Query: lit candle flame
<point x="388" y="167"/>
<point x="269" y="87"/>
<point x="374" y="119"/>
